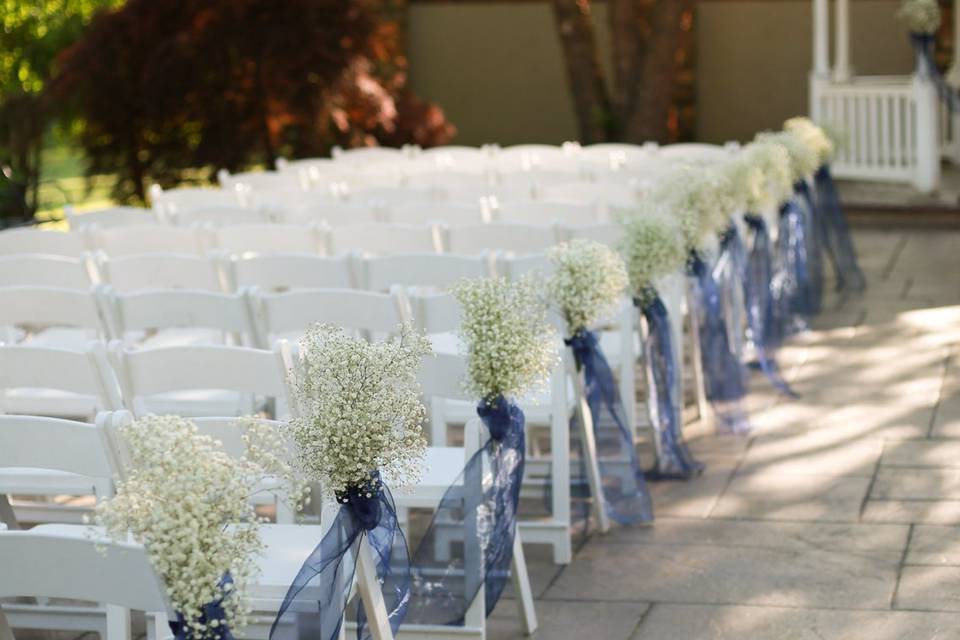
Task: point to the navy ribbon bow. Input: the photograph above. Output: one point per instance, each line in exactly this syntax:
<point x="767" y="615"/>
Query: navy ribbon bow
<point x="757" y="293"/>
<point x="482" y="504"/>
<point x="210" y="612"/>
<point x="314" y="605"/>
<point x="793" y="287"/>
<point x="626" y="498"/>
<point x="724" y="373"/>
<point x="836" y="233"/>
<point x="674" y="459"/>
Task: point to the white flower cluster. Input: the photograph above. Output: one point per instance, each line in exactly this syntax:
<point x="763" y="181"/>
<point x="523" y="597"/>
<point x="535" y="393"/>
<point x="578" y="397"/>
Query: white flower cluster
<point x="510" y="346"/>
<point x="701" y="199"/>
<point x="359" y="409"/>
<point x="652" y="247"/>
<point x="920" y="16"/>
<point x="769" y="179"/>
<point x="587" y="281"/>
<point x="182" y="491"/>
<point x="804" y="160"/>
<point x="813" y="136"/>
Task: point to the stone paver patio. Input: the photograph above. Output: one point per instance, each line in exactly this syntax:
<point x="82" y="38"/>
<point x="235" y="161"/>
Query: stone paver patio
<point x="839" y="517"/>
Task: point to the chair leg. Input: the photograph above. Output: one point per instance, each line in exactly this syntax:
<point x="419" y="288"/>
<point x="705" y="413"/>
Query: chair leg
<point x="7" y="515"/>
<point x="585" y="419"/>
<point x="118" y="623"/>
<point x="521" y="584"/>
<point x="369" y="587"/>
<point x="6" y="633"/>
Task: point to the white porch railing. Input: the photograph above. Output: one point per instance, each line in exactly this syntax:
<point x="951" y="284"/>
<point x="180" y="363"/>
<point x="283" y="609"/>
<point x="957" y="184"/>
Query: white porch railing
<point x="890" y="125"/>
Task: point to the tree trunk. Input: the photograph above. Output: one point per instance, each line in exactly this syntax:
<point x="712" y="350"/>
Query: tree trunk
<point x="647" y="36"/>
<point x="591" y="100"/>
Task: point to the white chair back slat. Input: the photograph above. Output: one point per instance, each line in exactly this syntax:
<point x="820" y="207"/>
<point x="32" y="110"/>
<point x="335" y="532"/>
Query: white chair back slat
<point x="291" y="313"/>
<point x="277" y="272"/>
<point x="367" y="155"/>
<point x="427" y="270"/>
<point x="511" y="238"/>
<point x="47" y="271"/>
<point x="330" y="213"/>
<point x="45" y="369"/>
<point x="43" y="307"/>
<point x="435" y="313"/>
<point x="156" y="238"/>
<point x="253" y="181"/>
<point x="608" y="234"/>
<point x="48" y="562"/>
<point x="172" y="200"/>
<point x="385" y="239"/>
<point x="544" y="212"/>
<point x="514" y="267"/>
<point x="154" y="310"/>
<point x="162" y="271"/>
<point x="110" y="217"/>
<point x="55" y="444"/>
<point x="242" y="370"/>
<point x="442" y="375"/>
<point x="218" y="215"/>
<point x="267" y="238"/>
<point x="70" y="244"/>
<point x="436" y="212"/>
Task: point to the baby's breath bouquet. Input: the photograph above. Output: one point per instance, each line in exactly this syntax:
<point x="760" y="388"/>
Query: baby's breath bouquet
<point x="510" y="346"/>
<point x="700" y="198"/>
<point x="652" y="247"/>
<point x="182" y="491"/>
<point x="587" y="281"/>
<point x="814" y="136"/>
<point x="773" y="162"/>
<point x="359" y="410"/>
<point x="804" y="159"/>
<point x="920" y="16"/>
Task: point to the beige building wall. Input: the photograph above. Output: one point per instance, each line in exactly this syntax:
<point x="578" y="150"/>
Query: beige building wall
<point x="496" y="67"/>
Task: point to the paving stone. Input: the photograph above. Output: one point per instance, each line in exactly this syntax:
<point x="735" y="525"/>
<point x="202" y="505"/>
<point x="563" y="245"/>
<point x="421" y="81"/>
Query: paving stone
<point x="916" y="484"/>
<point x="705" y="622"/>
<point x="799" y="536"/>
<point x="563" y="620"/>
<point x="929" y="589"/>
<point x="701" y="574"/>
<point x="770" y="496"/>
<point x="695" y="498"/>
<point x="946" y="424"/>
<point x="912" y="511"/>
<point x="932" y="545"/>
<point x="921" y="453"/>
<point x="820" y="452"/>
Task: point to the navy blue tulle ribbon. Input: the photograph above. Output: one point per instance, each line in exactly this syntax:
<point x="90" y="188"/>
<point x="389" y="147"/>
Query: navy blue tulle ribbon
<point x="208" y="613"/>
<point x="469" y="543"/>
<point x="314" y="605"/>
<point x="927" y="68"/>
<point x="813" y="235"/>
<point x="674" y="459"/>
<point x="836" y="233"/>
<point x="625" y="494"/>
<point x="758" y="299"/>
<point x="724" y="373"/>
<point x="792" y="287"/>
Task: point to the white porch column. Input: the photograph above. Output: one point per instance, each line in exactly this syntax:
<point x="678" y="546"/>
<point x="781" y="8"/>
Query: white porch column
<point x="841" y="67"/>
<point x="953" y="75"/>
<point x="821" y="38"/>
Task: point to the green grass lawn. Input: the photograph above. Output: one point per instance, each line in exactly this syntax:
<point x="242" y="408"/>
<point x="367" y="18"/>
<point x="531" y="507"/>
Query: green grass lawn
<point x="64" y="182"/>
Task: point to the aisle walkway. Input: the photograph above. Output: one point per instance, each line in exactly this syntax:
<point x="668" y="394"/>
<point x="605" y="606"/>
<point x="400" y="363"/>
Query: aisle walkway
<point x="839" y="518"/>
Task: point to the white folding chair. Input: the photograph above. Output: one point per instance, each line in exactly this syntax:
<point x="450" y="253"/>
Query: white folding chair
<point x="368" y="155"/>
<point x="267" y="238"/>
<point x="608" y="234"/>
<point x="162" y="271"/>
<point x="283" y="271"/>
<point x="436" y="212"/>
<point x="57" y="382"/>
<point x="423" y="270"/>
<point x="109" y="217"/>
<point x="50" y="317"/>
<point x="48" y="271"/>
<point x="69" y="562"/>
<point x="384" y="239"/>
<point x="253" y="181"/>
<point x="385" y="196"/>
<point x="550" y="409"/>
<point x="176" y="317"/>
<point x="49" y="457"/>
<point x="610" y="195"/>
<point x="500" y="236"/>
<point x="154" y="238"/>
<point x="168" y="202"/>
<point x="542" y="212"/>
<point x="70" y="244"/>
<point x="218" y="215"/>
<point x="201" y="380"/>
<point x="288" y="315"/>
<point x="331" y="213"/>
<point x="441" y="379"/>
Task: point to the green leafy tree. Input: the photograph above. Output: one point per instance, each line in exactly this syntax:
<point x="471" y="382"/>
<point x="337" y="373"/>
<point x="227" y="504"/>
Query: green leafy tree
<point x="32" y="33"/>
